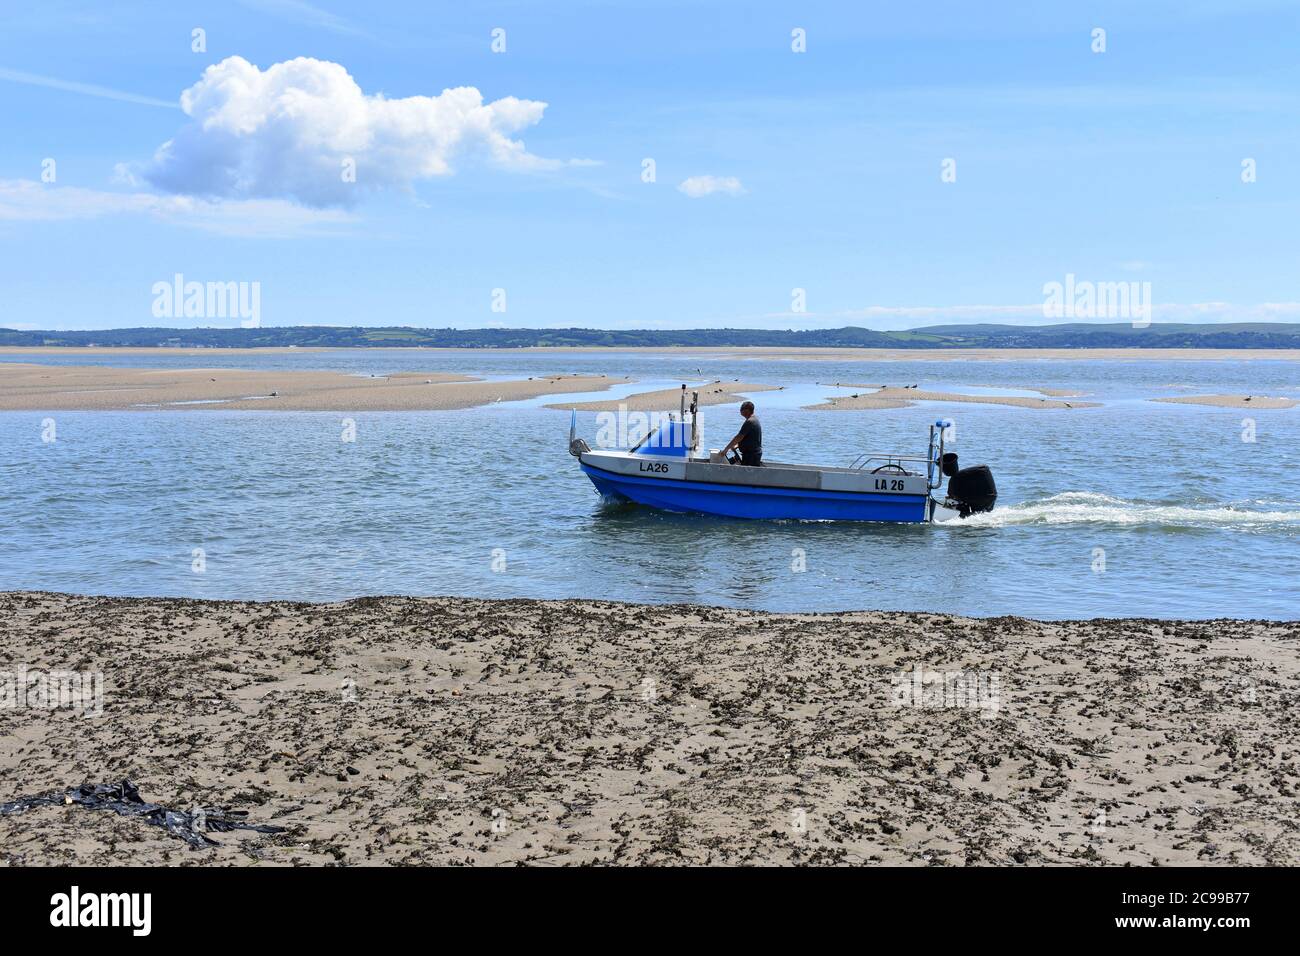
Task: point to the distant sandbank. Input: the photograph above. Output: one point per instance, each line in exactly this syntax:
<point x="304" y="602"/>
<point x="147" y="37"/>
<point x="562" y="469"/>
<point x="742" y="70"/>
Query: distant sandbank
<point x="901" y="397"/>
<point x="710" y="393"/>
<point x="1231" y="401"/>
<point x="31" y="387"/>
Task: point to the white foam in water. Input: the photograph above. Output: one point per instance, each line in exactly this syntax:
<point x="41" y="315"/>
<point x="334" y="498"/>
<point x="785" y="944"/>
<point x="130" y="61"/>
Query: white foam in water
<point x="1086" y="507"/>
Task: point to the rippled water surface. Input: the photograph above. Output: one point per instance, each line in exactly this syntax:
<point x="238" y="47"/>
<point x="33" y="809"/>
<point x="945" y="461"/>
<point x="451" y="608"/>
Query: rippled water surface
<point x="1134" y="508"/>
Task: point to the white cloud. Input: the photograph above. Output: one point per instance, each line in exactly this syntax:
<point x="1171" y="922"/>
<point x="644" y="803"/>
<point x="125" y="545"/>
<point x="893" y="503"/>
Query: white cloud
<point x="700" y="186"/>
<point x="286" y="132"/>
<point x="29" y="201"/>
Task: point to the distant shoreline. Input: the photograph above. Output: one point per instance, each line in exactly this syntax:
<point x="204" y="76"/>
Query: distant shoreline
<point x="722" y="351"/>
<point x="1069" y="336"/>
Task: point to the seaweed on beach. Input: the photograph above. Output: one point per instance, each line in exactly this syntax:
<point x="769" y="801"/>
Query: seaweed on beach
<point x="124" y="799"/>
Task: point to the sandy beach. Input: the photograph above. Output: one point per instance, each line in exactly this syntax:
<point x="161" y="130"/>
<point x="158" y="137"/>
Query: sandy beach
<point x="34" y="387"/>
<point x="901" y="397"/>
<point x="465" y="731"/>
<point x="1231" y="401"/>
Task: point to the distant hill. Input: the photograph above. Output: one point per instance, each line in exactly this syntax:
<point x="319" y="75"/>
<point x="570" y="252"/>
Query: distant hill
<point x="1243" y="335"/>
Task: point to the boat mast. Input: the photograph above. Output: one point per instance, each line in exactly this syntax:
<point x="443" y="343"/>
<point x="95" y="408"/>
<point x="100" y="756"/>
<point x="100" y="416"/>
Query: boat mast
<point x="695" y="422"/>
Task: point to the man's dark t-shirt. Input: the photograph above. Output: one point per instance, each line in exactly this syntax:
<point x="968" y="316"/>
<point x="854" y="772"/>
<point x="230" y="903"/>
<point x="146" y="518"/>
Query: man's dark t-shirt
<point x="751" y="442"/>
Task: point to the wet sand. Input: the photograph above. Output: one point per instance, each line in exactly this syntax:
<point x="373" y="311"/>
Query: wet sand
<point x="669" y="399"/>
<point x="568" y="732"/>
<point x="1231" y="401"/>
<point x="33" y="387"/>
<point x="1053" y="392"/>
<point x="894" y="396"/>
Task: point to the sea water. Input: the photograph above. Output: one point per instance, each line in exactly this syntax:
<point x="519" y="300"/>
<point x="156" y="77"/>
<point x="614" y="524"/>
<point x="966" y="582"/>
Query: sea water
<point x="1134" y="508"/>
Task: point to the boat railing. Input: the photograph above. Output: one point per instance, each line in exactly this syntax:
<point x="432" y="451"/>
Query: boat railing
<point x="884" y="459"/>
<point x="933" y="470"/>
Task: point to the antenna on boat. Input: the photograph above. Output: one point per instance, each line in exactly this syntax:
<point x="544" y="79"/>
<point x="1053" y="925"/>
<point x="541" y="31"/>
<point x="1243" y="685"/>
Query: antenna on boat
<point x="695" y="421"/>
<point x="681" y="416"/>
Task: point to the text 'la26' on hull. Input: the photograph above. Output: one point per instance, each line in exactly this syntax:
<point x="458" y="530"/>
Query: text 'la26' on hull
<point x="749" y="501"/>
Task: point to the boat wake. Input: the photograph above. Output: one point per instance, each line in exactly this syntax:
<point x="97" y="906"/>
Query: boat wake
<point x="1086" y="507"/>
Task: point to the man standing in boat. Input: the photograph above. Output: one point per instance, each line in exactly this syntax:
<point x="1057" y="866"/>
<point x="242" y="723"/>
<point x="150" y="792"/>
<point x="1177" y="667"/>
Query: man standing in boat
<point x="749" y="440"/>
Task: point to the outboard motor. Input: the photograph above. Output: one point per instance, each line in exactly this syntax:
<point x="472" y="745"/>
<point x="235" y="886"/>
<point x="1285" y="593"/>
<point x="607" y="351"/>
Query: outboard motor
<point x="970" y="490"/>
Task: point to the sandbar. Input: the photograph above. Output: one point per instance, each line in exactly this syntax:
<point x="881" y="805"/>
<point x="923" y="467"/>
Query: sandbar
<point x="894" y="396"/>
<point x="669" y="399"/>
<point x="101" y="388"/>
<point x="1231" y="401"/>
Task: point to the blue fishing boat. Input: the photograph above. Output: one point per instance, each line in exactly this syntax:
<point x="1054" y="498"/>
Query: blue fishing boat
<point x="665" y="470"/>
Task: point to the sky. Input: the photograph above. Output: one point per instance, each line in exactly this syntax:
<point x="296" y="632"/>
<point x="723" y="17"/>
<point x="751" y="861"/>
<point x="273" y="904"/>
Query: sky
<point x="626" y="164"/>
